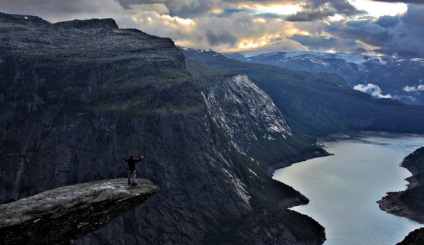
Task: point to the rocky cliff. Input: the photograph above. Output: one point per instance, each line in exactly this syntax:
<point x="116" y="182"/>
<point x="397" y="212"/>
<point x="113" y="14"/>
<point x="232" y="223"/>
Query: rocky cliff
<point x="415" y="237"/>
<point x="409" y="203"/>
<point x="75" y="96"/>
<point x="61" y="215"/>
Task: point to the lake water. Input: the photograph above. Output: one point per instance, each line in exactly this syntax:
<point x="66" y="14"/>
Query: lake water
<point x="343" y="189"/>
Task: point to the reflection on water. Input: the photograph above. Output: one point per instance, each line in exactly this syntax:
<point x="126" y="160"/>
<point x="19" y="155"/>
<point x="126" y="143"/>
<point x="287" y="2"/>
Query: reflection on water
<point x="343" y="188"/>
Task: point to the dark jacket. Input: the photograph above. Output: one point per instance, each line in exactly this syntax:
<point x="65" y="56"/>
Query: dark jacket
<point x="131" y="162"/>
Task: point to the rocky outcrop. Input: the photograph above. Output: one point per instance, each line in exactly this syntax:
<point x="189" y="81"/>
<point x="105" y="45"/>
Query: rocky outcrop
<point x="392" y="203"/>
<point x="64" y="214"/>
<point x="408" y="203"/>
<point x="415" y="237"/>
<point x="88" y="24"/>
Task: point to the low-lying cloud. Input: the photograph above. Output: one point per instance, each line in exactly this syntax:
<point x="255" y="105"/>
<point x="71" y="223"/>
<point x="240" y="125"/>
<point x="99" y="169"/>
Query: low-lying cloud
<point x="410" y="89"/>
<point x="373" y="90"/>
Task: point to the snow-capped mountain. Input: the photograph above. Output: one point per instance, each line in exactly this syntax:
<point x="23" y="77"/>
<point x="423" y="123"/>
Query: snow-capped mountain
<point x="348" y="57"/>
<point x="382" y="77"/>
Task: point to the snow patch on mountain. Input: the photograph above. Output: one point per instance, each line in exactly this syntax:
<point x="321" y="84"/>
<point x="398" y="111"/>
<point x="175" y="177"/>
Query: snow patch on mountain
<point x="287" y="54"/>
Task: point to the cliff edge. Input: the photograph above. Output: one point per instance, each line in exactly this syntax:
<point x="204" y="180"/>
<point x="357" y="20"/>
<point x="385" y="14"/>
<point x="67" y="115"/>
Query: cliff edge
<point x="75" y="96"/>
<point x="60" y="215"/>
<point x="408" y="203"/>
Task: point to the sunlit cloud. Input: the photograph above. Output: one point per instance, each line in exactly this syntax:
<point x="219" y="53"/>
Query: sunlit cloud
<point x="336" y="17"/>
<point x="403" y="1"/>
<point x="378" y="9"/>
<point x="216" y="11"/>
<point x="373" y="27"/>
<point x="259" y="20"/>
<point x="278" y="9"/>
<point x="255" y="43"/>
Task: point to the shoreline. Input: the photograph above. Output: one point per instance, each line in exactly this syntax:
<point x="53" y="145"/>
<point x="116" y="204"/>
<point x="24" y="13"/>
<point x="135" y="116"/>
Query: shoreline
<point x="318" y="152"/>
<point x="392" y="203"/>
<point x="320" y="145"/>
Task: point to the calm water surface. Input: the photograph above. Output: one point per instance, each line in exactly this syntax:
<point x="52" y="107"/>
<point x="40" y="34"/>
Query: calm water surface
<point x="343" y="189"/>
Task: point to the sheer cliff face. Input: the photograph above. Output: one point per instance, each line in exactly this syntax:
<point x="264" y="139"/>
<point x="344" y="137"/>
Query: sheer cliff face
<point x="75" y="96"/>
<point x="245" y="112"/>
<point x="247" y="116"/>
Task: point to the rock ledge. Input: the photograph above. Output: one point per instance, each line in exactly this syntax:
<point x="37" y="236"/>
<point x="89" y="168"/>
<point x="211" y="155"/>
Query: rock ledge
<point x="66" y="213"/>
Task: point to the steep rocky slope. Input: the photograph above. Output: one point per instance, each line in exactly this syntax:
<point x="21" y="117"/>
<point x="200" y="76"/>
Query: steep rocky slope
<point x="61" y="215"/>
<point x="75" y="96"/>
<point x="409" y="203"/>
<point x="415" y="237"/>
<point x="250" y="118"/>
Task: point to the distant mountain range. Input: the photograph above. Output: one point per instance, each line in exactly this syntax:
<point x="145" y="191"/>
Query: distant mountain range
<point x="315" y="104"/>
<point x="382" y="77"/>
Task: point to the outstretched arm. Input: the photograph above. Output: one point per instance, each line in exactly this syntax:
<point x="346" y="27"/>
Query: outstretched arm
<point x="123" y="158"/>
<point x="141" y="158"/>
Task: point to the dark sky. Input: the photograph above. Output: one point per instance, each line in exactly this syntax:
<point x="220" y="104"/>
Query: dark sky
<point x="369" y="26"/>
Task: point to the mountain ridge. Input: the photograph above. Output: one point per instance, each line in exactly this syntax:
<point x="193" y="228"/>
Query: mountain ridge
<point x="386" y="76"/>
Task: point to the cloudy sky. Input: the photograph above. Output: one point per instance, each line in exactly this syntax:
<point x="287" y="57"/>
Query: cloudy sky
<point x="392" y="27"/>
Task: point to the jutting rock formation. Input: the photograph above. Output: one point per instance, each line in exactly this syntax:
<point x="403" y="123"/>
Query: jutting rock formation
<point x="66" y="213"/>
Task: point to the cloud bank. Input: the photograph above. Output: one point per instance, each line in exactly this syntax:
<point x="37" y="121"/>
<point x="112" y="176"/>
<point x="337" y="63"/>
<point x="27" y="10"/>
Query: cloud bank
<point x="251" y="25"/>
<point x="391" y="35"/>
<point x="321" y="9"/>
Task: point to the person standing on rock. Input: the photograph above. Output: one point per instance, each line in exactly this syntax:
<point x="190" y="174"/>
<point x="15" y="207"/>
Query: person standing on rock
<point x="131" y="168"/>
